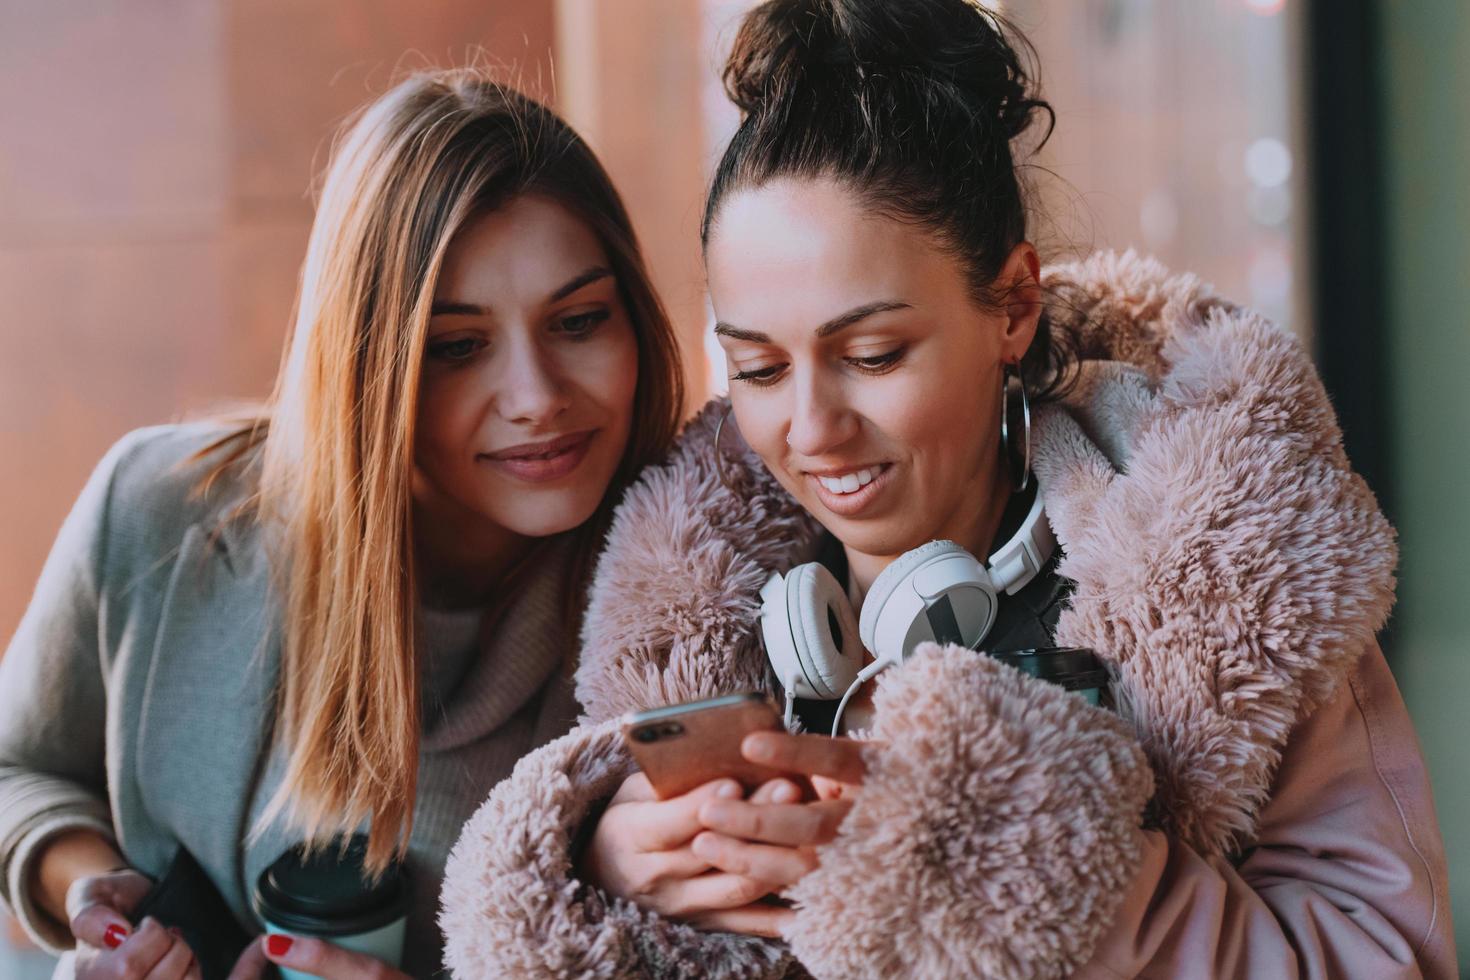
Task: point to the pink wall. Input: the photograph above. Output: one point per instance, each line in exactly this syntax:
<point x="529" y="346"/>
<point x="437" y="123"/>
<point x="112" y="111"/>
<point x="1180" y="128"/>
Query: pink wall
<point x="155" y="160"/>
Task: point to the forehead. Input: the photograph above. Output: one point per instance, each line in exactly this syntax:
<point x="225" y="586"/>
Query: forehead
<point x="796" y="252"/>
<point x="519" y="253"/>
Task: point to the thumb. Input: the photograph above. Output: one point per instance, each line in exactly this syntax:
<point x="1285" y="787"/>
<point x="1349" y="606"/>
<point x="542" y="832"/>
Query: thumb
<point x="100" y="926"/>
<point x="322" y="959"/>
<point x="252" y="963"/>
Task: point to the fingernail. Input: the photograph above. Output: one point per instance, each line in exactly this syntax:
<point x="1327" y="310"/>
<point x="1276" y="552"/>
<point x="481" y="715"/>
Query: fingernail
<point x="114" y="936"/>
<point x="278" y="945"/>
<point x="758" y="749"/>
<point x="785" y="793"/>
<point x="729" y="791"/>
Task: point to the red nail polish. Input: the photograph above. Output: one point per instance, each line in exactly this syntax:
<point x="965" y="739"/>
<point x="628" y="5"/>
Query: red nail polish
<point x="114" y="936"/>
<point x="278" y="945"/>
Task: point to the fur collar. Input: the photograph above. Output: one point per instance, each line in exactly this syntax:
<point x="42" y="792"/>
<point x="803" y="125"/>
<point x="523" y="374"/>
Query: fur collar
<point x="1230" y="566"/>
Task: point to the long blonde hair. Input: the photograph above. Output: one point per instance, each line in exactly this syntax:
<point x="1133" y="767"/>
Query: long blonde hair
<point x="334" y="448"/>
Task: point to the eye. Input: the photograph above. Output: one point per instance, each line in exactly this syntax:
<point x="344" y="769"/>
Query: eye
<point x="760" y="377"/>
<point x="580" y="326"/>
<point x="458" y="349"/>
<point x="877" y="363"/>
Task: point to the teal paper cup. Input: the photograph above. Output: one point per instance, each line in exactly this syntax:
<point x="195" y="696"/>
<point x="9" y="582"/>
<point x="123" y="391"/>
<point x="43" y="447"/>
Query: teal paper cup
<point x="1073" y="669"/>
<point x="327" y="895"/>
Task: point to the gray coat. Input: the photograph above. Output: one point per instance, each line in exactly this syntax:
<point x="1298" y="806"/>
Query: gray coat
<point x="135" y="697"/>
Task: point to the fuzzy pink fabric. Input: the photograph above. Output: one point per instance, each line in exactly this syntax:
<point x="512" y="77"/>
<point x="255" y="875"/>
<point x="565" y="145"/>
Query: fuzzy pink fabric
<point x="1229" y="567"/>
<point x="996" y="830"/>
<point x="681" y="576"/>
<point x="1228" y="561"/>
<point x="511" y="908"/>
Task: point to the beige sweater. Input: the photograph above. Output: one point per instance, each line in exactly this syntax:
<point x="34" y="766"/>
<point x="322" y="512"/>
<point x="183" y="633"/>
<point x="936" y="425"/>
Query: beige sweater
<point x="135" y="695"/>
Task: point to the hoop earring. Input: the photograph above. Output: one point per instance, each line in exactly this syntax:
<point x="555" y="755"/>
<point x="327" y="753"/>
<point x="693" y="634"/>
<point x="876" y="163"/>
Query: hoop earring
<point x="719" y="453"/>
<point x="1015" y="455"/>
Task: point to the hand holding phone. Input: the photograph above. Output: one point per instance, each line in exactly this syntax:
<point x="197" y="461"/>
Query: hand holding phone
<point x="686" y="745"/>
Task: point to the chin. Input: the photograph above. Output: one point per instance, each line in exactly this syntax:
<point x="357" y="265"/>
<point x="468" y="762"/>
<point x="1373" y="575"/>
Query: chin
<point x="872" y="537"/>
<point x="544" y="522"/>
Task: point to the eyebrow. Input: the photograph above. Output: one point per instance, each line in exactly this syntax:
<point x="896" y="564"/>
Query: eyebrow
<point x="585" y="278"/>
<point x="835" y="325"/>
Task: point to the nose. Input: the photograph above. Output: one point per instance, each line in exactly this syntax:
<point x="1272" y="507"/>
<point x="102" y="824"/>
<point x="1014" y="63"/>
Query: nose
<point x="821" y="420"/>
<point x="532" y="390"/>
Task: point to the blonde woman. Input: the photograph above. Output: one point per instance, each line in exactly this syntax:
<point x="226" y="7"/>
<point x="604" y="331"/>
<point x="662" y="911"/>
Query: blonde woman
<point x="352" y="611"/>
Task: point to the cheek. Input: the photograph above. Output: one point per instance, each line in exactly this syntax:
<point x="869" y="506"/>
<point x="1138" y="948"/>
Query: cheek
<point x="605" y="373"/>
<point x="447" y="410"/>
<point x="942" y="412"/>
<point x="763" y="419"/>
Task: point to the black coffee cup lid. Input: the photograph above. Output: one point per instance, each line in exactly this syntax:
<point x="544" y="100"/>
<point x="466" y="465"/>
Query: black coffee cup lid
<point x="1072" y="668"/>
<point x="326" y="891"/>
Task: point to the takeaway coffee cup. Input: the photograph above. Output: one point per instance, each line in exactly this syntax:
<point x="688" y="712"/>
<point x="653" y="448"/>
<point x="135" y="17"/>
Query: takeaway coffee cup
<point x="326" y="895"/>
<point x="1071" y="668"/>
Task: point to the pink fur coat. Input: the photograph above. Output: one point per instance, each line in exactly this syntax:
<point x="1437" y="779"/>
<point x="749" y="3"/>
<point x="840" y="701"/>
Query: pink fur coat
<point x="1229" y="566"/>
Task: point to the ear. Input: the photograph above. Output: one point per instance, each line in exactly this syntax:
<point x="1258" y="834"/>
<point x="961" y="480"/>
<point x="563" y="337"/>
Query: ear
<point x="1019" y="287"/>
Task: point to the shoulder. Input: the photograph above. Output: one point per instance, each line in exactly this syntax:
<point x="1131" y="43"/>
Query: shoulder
<point x="159" y="471"/>
<point x="151" y="487"/>
<point x="691" y="543"/>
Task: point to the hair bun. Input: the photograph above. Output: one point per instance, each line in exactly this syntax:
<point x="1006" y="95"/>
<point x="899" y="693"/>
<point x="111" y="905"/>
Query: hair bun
<point x="947" y="51"/>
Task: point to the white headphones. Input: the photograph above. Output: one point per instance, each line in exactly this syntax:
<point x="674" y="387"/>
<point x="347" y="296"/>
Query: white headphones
<point x="937" y="592"/>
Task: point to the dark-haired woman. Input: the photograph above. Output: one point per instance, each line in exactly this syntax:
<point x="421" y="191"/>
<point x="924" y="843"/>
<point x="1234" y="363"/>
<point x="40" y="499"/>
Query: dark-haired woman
<point x="1256" y="807"/>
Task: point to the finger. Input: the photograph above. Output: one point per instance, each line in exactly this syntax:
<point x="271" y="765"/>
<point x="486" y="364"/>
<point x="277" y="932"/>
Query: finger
<point x="195" y="971"/>
<point x="712" y="892"/>
<point x="322" y="959"/>
<point x="788" y="824"/>
<point x="252" y="963"/>
<point x="674" y="865"/>
<point x="753" y="920"/>
<point x="174" y="964"/>
<point x="830" y="789"/>
<point x="671" y="823"/>
<point x="813" y="755"/>
<point x="635" y="789"/>
<point x="776" y="791"/>
<point x="778" y="867"/>
<point x="100" y="926"/>
<point x="142" y="951"/>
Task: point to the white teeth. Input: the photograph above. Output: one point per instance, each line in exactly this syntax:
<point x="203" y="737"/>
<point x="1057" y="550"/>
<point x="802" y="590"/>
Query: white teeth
<point x="850" y="483"/>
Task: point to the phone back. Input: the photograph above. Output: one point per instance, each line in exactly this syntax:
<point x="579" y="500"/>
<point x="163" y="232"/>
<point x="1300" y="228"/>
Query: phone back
<point x="686" y="745"/>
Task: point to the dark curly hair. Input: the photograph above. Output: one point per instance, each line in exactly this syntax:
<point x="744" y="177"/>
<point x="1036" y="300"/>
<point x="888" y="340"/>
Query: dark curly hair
<point x="914" y="106"/>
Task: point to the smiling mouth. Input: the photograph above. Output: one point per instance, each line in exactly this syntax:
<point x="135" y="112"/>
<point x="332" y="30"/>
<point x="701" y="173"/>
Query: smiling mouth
<point x="541" y="450"/>
<point x="543" y="462"/>
<point x="851" y="482"/>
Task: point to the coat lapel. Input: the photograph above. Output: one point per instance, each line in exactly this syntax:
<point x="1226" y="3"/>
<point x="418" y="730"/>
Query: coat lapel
<point x="207" y="708"/>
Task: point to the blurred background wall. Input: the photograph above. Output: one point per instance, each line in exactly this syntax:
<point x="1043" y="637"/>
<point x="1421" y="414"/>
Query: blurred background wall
<point x="1308" y="158"/>
<point x="1426" y="148"/>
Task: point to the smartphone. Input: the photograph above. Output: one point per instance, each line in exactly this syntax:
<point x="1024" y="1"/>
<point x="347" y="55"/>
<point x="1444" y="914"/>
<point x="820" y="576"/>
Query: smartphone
<point x="686" y="745"/>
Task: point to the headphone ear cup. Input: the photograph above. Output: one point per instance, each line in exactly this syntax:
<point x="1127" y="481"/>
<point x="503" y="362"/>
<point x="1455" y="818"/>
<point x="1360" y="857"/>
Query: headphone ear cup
<point x="824" y="629"/>
<point x="883" y="588"/>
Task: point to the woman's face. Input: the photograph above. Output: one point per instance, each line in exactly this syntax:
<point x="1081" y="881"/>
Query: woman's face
<point x="529" y="371"/>
<point x="862" y="370"/>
